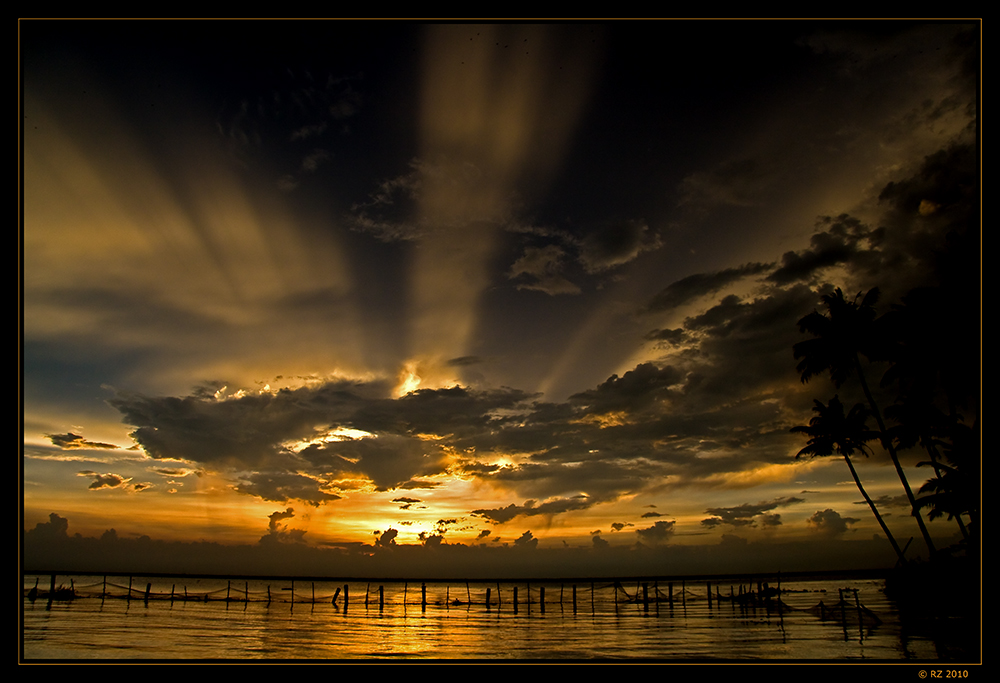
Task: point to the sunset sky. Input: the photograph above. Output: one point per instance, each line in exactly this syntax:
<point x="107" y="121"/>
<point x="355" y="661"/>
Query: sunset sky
<point x="358" y="284"/>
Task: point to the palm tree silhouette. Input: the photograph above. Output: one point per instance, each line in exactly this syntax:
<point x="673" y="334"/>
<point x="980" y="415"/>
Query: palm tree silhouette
<point x="935" y="380"/>
<point x="832" y="432"/>
<point x="840" y="337"/>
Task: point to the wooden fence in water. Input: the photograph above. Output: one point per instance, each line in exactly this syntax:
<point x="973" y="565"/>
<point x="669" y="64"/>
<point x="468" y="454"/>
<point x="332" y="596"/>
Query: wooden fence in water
<point x="514" y="595"/>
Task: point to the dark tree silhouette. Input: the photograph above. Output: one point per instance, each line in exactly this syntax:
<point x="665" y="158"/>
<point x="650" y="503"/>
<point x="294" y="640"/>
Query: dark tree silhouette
<point x="840" y="337"/>
<point x="953" y="491"/>
<point x="934" y="371"/>
<point x="832" y="432"/>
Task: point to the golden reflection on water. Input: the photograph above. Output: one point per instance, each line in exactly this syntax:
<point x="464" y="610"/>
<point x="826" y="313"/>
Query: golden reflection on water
<point x="451" y="621"/>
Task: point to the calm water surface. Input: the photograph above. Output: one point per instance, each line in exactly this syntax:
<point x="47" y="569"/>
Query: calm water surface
<point x="260" y="620"/>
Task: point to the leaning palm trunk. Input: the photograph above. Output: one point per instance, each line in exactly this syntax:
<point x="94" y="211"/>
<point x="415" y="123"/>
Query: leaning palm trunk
<point x="887" y="444"/>
<point x="928" y="444"/>
<point x="834" y="431"/>
<point x="878" y="517"/>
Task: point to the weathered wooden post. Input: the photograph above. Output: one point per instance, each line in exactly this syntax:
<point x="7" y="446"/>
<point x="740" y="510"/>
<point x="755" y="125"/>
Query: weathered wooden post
<point x="314" y="592"/>
<point x="591" y="597"/>
<point x="423" y="596"/>
<point x="336" y="595"/>
<point x="645" y="597"/>
<point x="541" y="598"/>
<point x="368" y="589"/>
<point x="670" y="593"/>
<point x="148" y="587"/>
<point x="268" y="594"/>
<point x="172" y="587"/>
<point x="709" y="584"/>
<point x="227" y="590"/>
<point x="381" y="597"/>
<point x="488" y="599"/>
<point x="574" y="597"/>
<point x="127" y="599"/>
<point x="246" y="592"/>
<point x="345" y="597"/>
<point x="515" y="599"/>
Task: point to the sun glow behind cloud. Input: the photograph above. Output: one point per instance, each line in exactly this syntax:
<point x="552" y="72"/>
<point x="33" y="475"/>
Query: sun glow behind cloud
<point x="550" y="304"/>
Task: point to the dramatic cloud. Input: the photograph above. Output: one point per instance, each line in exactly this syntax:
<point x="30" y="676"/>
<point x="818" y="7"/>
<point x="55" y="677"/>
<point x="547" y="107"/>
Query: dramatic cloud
<point x="695" y="286"/>
<point x="284" y="486"/>
<point x="112" y="481"/>
<point x="280" y="533"/>
<point x="71" y="441"/>
<point x="659" y="533"/>
<point x="829" y="522"/>
<point x="845" y="240"/>
<point x="357" y="261"/>
<point x="749" y="514"/>
<point x="526" y="540"/>
<point x="386" y="539"/>
<point x="541" y="269"/>
<point x="530" y="509"/>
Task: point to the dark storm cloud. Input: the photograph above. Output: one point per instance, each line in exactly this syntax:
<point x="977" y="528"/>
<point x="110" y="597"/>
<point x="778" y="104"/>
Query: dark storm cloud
<point x="829" y="522"/>
<point x="602" y="478"/>
<point x="647" y="428"/>
<point x="674" y="336"/>
<point x="744" y="345"/>
<point x="252" y="432"/>
<point x="531" y="509"/>
<point x="526" y="540"/>
<point x="659" y="533"/>
<point x="70" y="441"/>
<point x="388" y="460"/>
<point x="54" y="529"/>
<point x="749" y="514"/>
<point x="386" y="539"/>
<point x="283" y="486"/>
<point x="101" y="481"/>
<point x="635" y="390"/>
<point x="280" y="533"/>
<point x="691" y="287"/>
<point x="844" y="240"/>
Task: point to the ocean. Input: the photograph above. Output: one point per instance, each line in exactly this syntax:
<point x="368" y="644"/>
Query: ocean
<point x="218" y="619"/>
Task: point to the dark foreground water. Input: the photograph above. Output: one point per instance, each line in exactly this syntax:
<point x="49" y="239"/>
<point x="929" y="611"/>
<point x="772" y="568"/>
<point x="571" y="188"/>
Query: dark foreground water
<point x="197" y="619"/>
